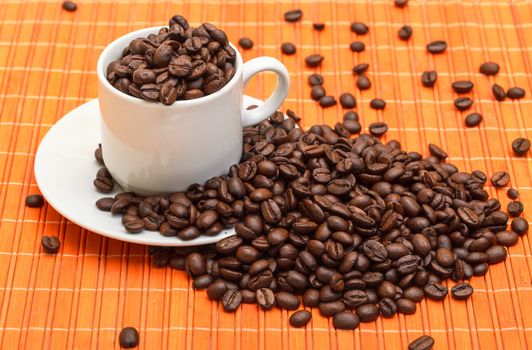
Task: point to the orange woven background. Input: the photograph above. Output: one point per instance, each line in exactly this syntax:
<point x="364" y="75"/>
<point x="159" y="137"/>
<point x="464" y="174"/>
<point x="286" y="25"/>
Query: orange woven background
<point x="84" y="295"/>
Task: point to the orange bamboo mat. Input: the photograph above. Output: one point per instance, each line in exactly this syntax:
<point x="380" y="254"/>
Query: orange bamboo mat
<point x="83" y="296"/>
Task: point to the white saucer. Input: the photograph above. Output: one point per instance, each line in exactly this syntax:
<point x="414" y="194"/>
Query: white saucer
<point x="65" y="168"/>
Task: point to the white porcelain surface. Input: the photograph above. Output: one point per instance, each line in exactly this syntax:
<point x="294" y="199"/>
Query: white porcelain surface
<point x="151" y="148"/>
<point x="65" y="168"/>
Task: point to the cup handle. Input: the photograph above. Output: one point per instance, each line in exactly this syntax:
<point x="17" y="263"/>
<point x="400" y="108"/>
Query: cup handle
<point x="261" y="64"/>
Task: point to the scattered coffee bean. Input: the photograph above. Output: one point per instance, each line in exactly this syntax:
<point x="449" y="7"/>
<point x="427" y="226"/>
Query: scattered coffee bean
<point x="128" y="338"/>
<point x="425" y="342"/>
<point x="318" y="26"/>
<point x="357" y="46"/>
<point x="352" y="126"/>
<point x="347" y="100"/>
<point x="288" y="48"/>
<point x="105" y="204"/>
<point x="428" y="78"/>
<point x="359" y="28"/>
<point x="462" y="86"/>
<point x="437" y="152"/>
<point x="315" y="79"/>
<point x="300" y="318"/>
<point x="461" y="291"/>
<point x="512" y="193"/>
<point x="521" y="146"/>
<point x="327" y="101"/>
<point x="515" y="208"/>
<point x="378" y="128"/>
<point x="360" y="68"/>
<point x="496" y="254"/>
<point x="50" y="244"/>
<point x="507" y="238"/>
<point x="317" y="92"/>
<point x="400" y="3"/>
<point x="438" y="46"/>
<point x="70" y="6"/>
<point x="363" y="83"/>
<point x="245" y="43"/>
<point x="520" y="226"/>
<point x="500" y="179"/>
<point x="377" y="103"/>
<point x="34" y="201"/>
<point x="473" y="119"/>
<point x="314" y="60"/>
<point x="405" y="32"/>
<point x="489" y="68"/>
<point x="515" y="93"/>
<point x="346" y="320"/>
<point x="351" y="115"/>
<point x="293" y="15"/>
<point x="463" y="103"/>
<point x="498" y="92"/>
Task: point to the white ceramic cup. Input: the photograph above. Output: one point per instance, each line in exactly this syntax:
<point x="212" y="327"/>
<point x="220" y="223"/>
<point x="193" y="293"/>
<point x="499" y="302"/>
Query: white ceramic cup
<point x="150" y="148"/>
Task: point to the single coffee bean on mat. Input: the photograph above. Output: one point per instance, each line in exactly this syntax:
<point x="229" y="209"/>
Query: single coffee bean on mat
<point x="245" y="43"/>
<point x="489" y="68"/>
<point x="438" y="46"/>
<point x="347" y="100"/>
<point x="300" y="318"/>
<point x="70" y="6"/>
<point x="360" y="68"/>
<point x="462" y="86"/>
<point x="428" y="78"/>
<point x="378" y="128"/>
<point x="512" y="193"/>
<point x="359" y="28"/>
<point x="515" y="93"/>
<point x="400" y="3"/>
<point x="521" y="146"/>
<point x="315" y="79"/>
<point x="425" y="342"/>
<point x="357" y="46"/>
<point x="498" y="92"/>
<point x="314" y="60"/>
<point x="288" y="48"/>
<point x="377" y="103"/>
<point x="34" y="201"/>
<point x="405" y="32"/>
<point x="363" y="83"/>
<point x="461" y="291"/>
<point x="293" y="15"/>
<point x="128" y="338"/>
<point x="317" y="92"/>
<point x="318" y="26"/>
<point x="519" y="226"/>
<point x="473" y="119"/>
<point x="463" y="103"/>
<point x="327" y="101"/>
<point x="50" y="244"/>
<point x="500" y="178"/>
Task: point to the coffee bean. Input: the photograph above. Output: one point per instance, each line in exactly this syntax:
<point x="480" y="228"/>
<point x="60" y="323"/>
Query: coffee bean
<point x="489" y="68"/>
<point x="317" y="92"/>
<point x="498" y="92"/>
<point x="400" y="3"/>
<point x="515" y="208"/>
<point x="435" y="291"/>
<point x="293" y="15"/>
<point x="461" y="291"/>
<point x="512" y="193"/>
<point x="327" y="101"/>
<point x="288" y="48"/>
<point x="245" y="43"/>
<point x="314" y="60"/>
<point x="473" y="119"/>
<point x="462" y="86"/>
<point x="496" y="254"/>
<point x="347" y="100"/>
<point x="231" y="300"/>
<point x="318" y="26"/>
<point x="424" y="342"/>
<point x="437" y="152"/>
<point x="128" y="338"/>
<point x="34" y="201"/>
<point x="428" y="78"/>
<point x="378" y="128"/>
<point x="367" y="312"/>
<point x="363" y="83"/>
<point x="50" y="244"/>
<point x="507" y="238"/>
<point x="405" y="306"/>
<point x="328" y="309"/>
<point x="519" y="226"/>
<point x="515" y="93"/>
<point x="357" y="46"/>
<point x="300" y="318"/>
<point x="359" y="28"/>
<point x="134" y="226"/>
<point x="500" y="179"/>
<point x="521" y="146"/>
<point x="346" y="320"/>
<point x="287" y="301"/>
<point x="70" y="6"/>
<point x="438" y="46"/>
<point x="105" y="204"/>
<point x="217" y="289"/>
<point x="463" y="103"/>
<point x="104" y="184"/>
<point x="377" y="103"/>
<point x="315" y="79"/>
<point x="265" y="298"/>
<point x="196" y="264"/>
<point x="360" y="68"/>
<point x="405" y="32"/>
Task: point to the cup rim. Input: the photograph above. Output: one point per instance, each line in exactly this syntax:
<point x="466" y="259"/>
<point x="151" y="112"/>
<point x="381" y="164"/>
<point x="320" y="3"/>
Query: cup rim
<point x="104" y="55"/>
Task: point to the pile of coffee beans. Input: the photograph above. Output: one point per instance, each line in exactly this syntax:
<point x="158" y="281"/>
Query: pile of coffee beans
<point x="352" y="226"/>
<point x="178" y="63"/>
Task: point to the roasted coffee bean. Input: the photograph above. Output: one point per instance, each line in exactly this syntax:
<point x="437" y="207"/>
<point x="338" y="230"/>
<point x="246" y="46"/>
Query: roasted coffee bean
<point x="415" y="294"/>
<point x="293" y="15"/>
<point x="498" y="92"/>
<point x="462" y="86"/>
<point x="519" y="226"/>
<point x="353" y="127"/>
<point x="437" y="152"/>
<point x="287" y="301"/>
<point x="50" y="244"/>
<point x="317" y="92"/>
<point x="438" y="46"/>
<point x="435" y="291"/>
<point x="473" y="119"/>
<point x="496" y="254"/>
<point x="515" y="93"/>
<point x="315" y="79"/>
<point x="34" y="201"/>
<point x="346" y="320"/>
<point x="400" y="3"/>
<point x="367" y="312"/>
<point x="217" y="289"/>
<point x="231" y="300"/>
<point x="515" y="208"/>
<point x="327" y="101"/>
<point x="521" y="146"/>
<point x="196" y="264"/>
<point x="428" y="78"/>
<point x="489" y="68"/>
<point x="500" y="179"/>
<point x="360" y="68"/>
<point x="405" y="32"/>
<point x="387" y="307"/>
<point x="357" y="46"/>
<point x="318" y="26"/>
<point x="105" y="204"/>
<point x="245" y="43"/>
<point x="104" y="184"/>
<point x="128" y="338"/>
<point x="512" y="193"/>
<point x="331" y="308"/>
<point x="359" y="28"/>
<point x="300" y="318"/>
<point x="425" y="342"/>
<point x="405" y="306"/>
<point x="378" y="128"/>
<point x="363" y="83"/>
<point x="347" y="100"/>
<point x="463" y="103"/>
<point x="288" y="48"/>
<point x="265" y="298"/>
<point x="314" y="60"/>
<point x="70" y="6"/>
<point x="377" y="103"/>
<point x="461" y="291"/>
